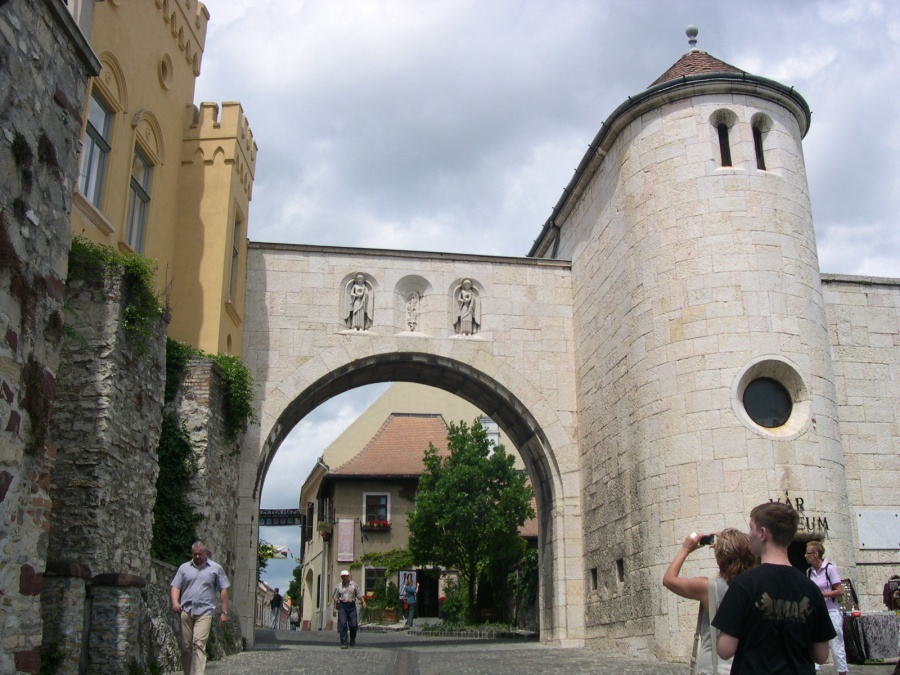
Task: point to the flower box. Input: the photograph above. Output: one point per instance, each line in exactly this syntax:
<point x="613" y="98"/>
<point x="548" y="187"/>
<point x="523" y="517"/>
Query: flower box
<point x="324" y="527"/>
<point x="377" y="525"/>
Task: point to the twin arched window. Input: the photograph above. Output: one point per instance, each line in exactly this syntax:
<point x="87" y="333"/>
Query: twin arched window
<point x="725" y="120"/>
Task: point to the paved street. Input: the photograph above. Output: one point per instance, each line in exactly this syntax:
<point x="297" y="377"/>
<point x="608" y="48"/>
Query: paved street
<point x="318" y="653"/>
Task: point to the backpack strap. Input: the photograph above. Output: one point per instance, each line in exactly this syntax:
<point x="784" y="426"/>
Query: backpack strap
<point x="696" y="648"/>
<point x="713" y="631"/>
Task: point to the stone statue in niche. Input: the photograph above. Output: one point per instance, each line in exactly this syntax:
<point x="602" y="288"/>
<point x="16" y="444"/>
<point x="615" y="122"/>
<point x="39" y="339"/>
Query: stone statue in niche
<point x="412" y="310"/>
<point x="468" y="311"/>
<point x="359" y="303"/>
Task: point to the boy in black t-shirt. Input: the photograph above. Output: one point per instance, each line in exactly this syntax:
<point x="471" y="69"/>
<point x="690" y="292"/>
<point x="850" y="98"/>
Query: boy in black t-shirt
<point x="773" y="619"/>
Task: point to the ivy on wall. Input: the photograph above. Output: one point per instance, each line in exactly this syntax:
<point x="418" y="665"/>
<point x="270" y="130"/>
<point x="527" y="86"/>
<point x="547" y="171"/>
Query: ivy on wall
<point x="89" y="262"/>
<point x="174" y="519"/>
<point x="394" y="560"/>
<point x="236" y="381"/>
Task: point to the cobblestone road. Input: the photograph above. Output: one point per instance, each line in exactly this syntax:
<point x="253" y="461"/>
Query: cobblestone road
<point x="318" y="653"/>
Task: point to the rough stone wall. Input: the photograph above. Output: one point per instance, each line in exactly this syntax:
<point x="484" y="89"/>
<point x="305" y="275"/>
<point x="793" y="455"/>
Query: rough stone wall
<point x="106" y="427"/>
<point x="159" y="624"/>
<point x="116" y="609"/>
<point x="44" y="66"/>
<point x="213" y="494"/>
<point x="63" y="603"/>
<point x="864" y="327"/>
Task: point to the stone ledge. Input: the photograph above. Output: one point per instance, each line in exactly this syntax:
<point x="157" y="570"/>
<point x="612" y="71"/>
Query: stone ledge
<point x="115" y="579"/>
<point x="67" y="568"/>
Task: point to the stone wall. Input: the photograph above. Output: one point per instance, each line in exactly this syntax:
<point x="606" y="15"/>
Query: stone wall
<point x="691" y="280"/>
<point x="106" y="428"/>
<point x="864" y="327"/>
<point x="44" y="66"/>
<point x="213" y="494"/>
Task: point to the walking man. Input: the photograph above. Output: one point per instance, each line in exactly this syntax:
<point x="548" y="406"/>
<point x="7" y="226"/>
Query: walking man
<point x="773" y="619"/>
<point x="275" y="604"/>
<point x="345" y="596"/>
<point x="193" y="595"/>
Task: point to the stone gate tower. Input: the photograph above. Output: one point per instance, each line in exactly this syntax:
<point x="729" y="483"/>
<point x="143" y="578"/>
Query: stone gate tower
<point x="696" y="287"/>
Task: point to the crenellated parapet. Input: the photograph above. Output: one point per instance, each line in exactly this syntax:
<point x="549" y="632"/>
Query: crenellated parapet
<point x="186" y="20"/>
<point x="213" y="133"/>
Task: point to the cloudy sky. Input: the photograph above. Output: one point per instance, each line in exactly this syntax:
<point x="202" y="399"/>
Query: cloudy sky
<point x="453" y="125"/>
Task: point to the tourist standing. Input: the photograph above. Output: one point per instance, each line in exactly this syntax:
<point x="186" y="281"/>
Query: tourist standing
<point x="773" y="619"/>
<point x="193" y="595"/>
<point x="825" y="575"/>
<point x="275" y="605"/>
<point x="733" y="556"/>
<point x="345" y="596"/>
<point x="411" y="591"/>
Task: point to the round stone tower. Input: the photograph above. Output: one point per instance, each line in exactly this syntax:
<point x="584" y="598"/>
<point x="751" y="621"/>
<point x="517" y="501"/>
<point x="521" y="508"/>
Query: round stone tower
<point x="705" y="377"/>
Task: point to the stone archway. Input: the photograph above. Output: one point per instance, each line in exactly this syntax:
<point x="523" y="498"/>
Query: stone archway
<point x="503" y="393"/>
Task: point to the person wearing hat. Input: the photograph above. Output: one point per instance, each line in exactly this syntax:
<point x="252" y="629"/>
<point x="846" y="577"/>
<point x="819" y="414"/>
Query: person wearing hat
<point x="345" y="596"/>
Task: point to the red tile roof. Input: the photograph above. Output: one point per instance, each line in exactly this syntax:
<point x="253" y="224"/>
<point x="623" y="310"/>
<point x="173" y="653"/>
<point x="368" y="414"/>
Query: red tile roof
<point x="529" y="529"/>
<point x="398" y="447"/>
<point x="694" y="63"/>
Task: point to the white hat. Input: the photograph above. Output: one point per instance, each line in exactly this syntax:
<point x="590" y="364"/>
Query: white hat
<point x="345" y="573"/>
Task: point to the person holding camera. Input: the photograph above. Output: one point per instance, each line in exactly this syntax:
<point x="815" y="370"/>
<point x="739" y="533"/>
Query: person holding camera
<point x="733" y="556"/>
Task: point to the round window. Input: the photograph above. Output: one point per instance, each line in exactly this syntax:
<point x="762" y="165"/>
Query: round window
<point x="767" y="402"/>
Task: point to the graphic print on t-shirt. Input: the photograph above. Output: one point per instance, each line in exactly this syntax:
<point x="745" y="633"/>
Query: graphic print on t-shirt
<point x="783" y="610"/>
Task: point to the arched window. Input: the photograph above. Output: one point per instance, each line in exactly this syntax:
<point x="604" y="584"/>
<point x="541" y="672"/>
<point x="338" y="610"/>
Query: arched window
<point x="138" y="201"/>
<point x="761" y="124"/>
<point x="722" y="121"/>
<point x="758" y="146"/>
<point x="235" y="258"/>
<point x="724" y="145"/>
<point x="96" y="149"/>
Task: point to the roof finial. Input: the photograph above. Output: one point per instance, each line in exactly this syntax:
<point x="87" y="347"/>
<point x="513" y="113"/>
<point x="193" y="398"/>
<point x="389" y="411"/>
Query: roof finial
<point x="691" y="32"/>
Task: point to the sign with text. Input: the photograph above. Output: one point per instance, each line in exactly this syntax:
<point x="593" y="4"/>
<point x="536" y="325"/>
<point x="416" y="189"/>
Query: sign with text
<point x="278" y="517"/>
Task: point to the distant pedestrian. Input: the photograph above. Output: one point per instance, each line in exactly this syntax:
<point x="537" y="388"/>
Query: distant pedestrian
<point x="275" y="603"/>
<point x="193" y="595"/>
<point x="345" y="596"/>
<point x="825" y="575"/>
<point x="410" y="591"/>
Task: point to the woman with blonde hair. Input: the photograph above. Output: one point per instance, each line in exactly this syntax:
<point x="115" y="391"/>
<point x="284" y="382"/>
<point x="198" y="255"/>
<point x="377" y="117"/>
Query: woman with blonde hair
<point x="733" y="556"/>
<point x="825" y="575"/>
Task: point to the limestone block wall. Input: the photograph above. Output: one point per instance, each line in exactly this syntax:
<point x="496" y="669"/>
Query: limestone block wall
<point x="201" y="408"/>
<point x="45" y="66"/>
<point x="690" y="279"/>
<point x="106" y="426"/>
<point x="864" y="327"/>
<point x="518" y="364"/>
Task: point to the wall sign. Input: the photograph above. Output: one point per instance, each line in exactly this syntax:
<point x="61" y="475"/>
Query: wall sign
<point x="878" y="529"/>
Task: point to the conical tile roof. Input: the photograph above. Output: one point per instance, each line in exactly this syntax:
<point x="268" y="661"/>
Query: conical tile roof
<point x="696" y="62"/>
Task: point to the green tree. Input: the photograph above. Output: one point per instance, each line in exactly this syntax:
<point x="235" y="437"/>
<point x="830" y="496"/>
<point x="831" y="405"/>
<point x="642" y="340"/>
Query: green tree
<point x="470" y="505"/>
<point x="296" y="585"/>
<point x="264" y="553"/>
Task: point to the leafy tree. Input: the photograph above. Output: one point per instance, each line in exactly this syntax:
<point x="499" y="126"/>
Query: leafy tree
<point x="470" y="505"/>
<point x="264" y="553"/>
<point x="294" y="588"/>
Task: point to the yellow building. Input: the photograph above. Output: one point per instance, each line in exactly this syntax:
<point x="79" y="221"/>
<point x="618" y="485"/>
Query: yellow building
<point x="160" y="176"/>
